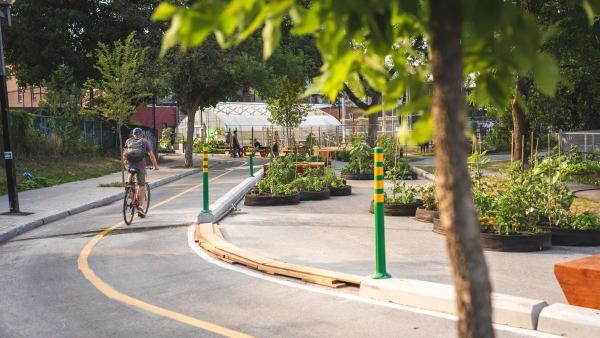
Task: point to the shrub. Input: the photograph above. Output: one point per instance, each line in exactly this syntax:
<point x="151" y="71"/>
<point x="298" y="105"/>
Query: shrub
<point x="584" y="220"/>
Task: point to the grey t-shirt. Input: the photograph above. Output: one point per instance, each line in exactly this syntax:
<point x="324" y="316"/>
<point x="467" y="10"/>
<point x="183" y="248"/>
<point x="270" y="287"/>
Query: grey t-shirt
<point x="142" y="163"/>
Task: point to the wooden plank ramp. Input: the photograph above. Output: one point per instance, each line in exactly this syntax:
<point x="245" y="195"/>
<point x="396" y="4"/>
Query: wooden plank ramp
<point x="210" y="238"/>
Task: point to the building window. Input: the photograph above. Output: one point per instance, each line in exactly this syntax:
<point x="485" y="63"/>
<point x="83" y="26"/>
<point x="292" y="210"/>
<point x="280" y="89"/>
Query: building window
<point x="19" y="95"/>
<point x="32" y="94"/>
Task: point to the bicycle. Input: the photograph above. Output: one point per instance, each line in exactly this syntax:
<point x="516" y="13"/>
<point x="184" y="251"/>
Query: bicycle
<point x="130" y="201"/>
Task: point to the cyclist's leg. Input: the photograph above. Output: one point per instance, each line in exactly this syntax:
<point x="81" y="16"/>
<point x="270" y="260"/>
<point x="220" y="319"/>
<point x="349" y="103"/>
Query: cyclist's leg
<point x="141" y="183"/>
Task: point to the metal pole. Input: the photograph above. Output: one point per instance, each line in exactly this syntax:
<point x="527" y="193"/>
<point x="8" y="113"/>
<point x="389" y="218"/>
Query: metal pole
<point x="205" y="209"/>
<point x="11" y="180"/>
<point x="378" y="205"/>
<point x="250" y="157"/>
<point x="154" y="125"/>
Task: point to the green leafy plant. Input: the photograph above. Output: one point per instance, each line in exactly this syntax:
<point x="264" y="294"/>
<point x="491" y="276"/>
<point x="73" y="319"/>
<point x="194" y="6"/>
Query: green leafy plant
<point x="332" y="180"/>
<point x="584" y="220"/>
<point x="403" y="194"/>
<point x="361" y="157"/>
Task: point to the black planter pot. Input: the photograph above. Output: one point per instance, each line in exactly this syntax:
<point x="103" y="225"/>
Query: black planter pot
<point x="313" y="195"/>
<point x="340" y="191"/>
<point x="573" y="237"/>
<point x="357" y="177"/>
<point x="398" y="209"/>
<point x="517" y="243"/>
<point x="425" y="215"/>
<point x="266" y="199"/>
<point x="437" y="226"/>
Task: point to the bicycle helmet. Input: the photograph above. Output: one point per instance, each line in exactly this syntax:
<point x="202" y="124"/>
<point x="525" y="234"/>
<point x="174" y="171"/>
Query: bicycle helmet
<point x="137" y="131"/>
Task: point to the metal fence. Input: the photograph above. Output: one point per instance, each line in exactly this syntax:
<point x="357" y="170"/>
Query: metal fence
<point x="587" y="142"/>
<point x="95" y="132"/>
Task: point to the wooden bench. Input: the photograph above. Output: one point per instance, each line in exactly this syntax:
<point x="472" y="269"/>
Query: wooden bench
<point x="580" y="281"/>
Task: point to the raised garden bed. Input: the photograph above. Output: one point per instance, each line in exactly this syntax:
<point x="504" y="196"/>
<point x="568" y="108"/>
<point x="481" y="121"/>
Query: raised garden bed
<point x="345" y="190"/>
<point x="398" y="209"/>
<point x="437" y="226"/>
<point x="524" y="242"/>
<point x="313" y="195"/>
<point x="268" y="199"/>
<point x="358" y="177"/>
<point x="411" y="176"/>
<point x="425" y="215"/>
<point x="573" y="237"/>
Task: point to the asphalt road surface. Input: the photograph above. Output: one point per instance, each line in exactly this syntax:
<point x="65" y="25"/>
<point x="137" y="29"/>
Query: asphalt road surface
<point x="71" y="279"/>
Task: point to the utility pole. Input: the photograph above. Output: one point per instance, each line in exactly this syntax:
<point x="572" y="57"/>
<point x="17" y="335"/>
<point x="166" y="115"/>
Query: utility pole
<point x="13" y="197"/>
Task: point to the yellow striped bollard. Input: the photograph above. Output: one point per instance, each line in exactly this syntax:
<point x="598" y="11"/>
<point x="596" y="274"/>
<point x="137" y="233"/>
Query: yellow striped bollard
<point x="205" y="208"/>
<point x="250" y="157"/>
<point x="378" y="206"/>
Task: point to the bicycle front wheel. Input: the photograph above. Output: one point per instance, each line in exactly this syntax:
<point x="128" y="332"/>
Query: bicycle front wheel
<point x="128" y="207"/>
<point x="146" y="199"/>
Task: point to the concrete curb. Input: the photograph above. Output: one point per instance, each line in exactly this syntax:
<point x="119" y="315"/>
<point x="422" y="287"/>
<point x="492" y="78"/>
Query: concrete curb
<point x="422" y="173"/>
<point x="221" y="207"/>
<point x="507" y="310"/>
<point x="20" y="229"/>
<point x="570" y="321"/>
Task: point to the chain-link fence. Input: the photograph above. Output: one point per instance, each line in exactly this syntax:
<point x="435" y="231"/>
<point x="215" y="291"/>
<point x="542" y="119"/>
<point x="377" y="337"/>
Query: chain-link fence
<point x="95" y="132"/>
<point x="587" y="142"/>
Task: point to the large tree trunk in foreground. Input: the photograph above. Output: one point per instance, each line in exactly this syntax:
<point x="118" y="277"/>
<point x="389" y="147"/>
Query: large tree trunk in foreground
<point x="457" y="211"/>
<point x="189" y="143"/>
<point x="520" y="120"/>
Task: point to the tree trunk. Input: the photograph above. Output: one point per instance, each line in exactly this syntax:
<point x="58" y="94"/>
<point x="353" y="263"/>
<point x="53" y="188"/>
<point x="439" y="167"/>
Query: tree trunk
<point x="457" y="211"/>
<point x="189" y="144"/>
<point x="520" y="120"/>
<point x="372" y="129"/>
<point x="121" y="152"/>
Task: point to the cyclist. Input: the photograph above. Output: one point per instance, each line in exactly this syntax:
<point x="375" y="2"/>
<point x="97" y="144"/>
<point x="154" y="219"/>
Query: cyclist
<point x="131" y="144"/>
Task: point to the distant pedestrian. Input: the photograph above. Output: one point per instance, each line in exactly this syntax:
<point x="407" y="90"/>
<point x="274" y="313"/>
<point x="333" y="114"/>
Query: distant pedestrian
<point x="172" y="137"/>
<point x="276" y="143"/>
<point x="236" y="145"/>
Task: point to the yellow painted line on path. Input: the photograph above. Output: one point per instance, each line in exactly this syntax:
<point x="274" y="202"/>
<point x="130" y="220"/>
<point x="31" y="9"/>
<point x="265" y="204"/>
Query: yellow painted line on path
<point x="88" y="273"/>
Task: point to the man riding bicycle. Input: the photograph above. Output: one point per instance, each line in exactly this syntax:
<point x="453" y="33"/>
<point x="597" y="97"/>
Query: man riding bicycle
<point x="135" y="146"/>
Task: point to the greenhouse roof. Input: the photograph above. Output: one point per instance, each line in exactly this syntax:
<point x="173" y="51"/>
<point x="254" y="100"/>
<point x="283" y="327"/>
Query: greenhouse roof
<point x="252" y="115"/>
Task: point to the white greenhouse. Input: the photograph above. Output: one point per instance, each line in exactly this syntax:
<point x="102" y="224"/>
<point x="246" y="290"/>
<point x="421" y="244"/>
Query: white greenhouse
<point x="252" y="119"/>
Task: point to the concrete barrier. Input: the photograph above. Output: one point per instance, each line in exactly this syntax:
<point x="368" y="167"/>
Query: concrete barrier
<point x="509" y="310"/>
<point x="221" y="207"/>
<point x="570" y="321"/>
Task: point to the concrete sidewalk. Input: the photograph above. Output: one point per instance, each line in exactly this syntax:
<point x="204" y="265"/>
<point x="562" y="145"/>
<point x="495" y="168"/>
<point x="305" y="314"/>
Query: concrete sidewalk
<point x="337" y="234"/>
<point x="53" y="203"/>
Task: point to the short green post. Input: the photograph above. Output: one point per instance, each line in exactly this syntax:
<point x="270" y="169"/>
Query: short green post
<point x="378" y="205"/>
<point x="250" y="157"/>
<point x="205" y="208"/>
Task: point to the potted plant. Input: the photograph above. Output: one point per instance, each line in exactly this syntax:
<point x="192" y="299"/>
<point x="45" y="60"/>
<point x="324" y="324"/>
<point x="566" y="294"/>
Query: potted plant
<point x="360" y="166"/>
<point x="275" y="187"/>
<point x="311" y="185"/>
<point x="428" y="211"/>
<point x="337" y="186"/>
<point x="508" y="214"/>
<point x="403" y="200"/>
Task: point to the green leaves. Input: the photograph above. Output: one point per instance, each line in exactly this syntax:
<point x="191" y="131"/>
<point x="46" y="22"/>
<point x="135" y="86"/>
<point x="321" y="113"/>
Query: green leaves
<point x="545" y="74"/>
<point x="592" y="8"/>
<point x="164" y="11"/>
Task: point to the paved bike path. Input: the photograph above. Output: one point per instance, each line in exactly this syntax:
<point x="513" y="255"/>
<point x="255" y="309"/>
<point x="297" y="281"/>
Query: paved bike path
<point x="53" y="203"/>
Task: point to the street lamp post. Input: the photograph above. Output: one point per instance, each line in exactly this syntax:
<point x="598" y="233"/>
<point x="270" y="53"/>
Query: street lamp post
<point x="13" y="197"/>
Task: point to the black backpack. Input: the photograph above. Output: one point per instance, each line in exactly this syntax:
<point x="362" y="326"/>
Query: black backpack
<point x="135" y="150"/>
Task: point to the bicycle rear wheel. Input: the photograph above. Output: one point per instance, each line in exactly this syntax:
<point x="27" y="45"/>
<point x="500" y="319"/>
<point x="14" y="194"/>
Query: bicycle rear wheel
<point x="146" y="199"/>
<point x="128" y="207"/>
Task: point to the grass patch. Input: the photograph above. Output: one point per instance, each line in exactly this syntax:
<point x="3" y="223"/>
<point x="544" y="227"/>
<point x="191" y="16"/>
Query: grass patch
<point x="112" y="185"/>
<point x="409" y="158"/>
<point x="427" y="153"/>
<point x="51" y="171"/>
<point x="430" y="170"/>
<point x="585" y="204"/>
<point x="496" y="165"/>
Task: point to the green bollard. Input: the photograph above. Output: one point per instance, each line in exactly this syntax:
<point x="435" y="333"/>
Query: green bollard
<point x="378" y="205"/>
<point x="205" y="209"/>
<point x="250" y="157"/>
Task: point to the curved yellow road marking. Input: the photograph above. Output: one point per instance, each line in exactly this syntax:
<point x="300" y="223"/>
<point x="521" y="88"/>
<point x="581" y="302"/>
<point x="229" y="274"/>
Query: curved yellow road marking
<point x="88" y="273"/>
